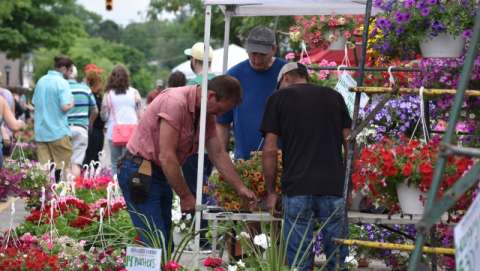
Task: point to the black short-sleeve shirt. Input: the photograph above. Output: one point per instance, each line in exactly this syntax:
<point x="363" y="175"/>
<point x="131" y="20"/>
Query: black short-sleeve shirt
<point x="309" y="121"/>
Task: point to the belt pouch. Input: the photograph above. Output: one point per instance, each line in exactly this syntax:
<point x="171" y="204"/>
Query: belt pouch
<point x="140" y="182"/>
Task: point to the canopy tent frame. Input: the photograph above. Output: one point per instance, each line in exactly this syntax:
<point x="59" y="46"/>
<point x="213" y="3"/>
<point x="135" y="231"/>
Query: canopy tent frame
<point x="233" y="8"/>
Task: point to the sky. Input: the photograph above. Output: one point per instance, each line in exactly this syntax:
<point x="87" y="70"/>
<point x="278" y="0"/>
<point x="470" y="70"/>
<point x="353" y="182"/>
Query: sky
<point x="124" y="11"/>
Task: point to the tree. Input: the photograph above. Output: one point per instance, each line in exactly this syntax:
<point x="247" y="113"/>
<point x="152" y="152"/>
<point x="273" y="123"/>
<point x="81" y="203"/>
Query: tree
<point x="196" y="19"/>
<point x="29" y="24"/>
<point x="85" y="50"/>
<point x="108" y="30"/>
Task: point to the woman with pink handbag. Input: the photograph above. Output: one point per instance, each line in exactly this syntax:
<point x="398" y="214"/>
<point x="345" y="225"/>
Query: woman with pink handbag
<point x="121" y="109"/>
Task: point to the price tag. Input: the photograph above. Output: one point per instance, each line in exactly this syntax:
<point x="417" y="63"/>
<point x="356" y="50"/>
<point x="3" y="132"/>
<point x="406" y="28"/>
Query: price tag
<point x="143" y="259"/>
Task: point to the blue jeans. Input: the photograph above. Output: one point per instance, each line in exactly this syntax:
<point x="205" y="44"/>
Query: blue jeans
<point x="115" y="153"/>
<point x="301" y="215"/>
<point x="190" y="171"/>
<point x="157" y="208"/>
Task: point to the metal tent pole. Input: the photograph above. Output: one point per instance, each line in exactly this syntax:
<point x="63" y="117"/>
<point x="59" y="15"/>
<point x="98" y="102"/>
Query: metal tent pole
<point x="433" y="209"/>
<point x="201" y="140"/>
<point x="226" y="39"/>
<point x="351" y="143"/>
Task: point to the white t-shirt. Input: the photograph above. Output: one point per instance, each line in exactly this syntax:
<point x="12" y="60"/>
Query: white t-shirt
<point x="122" y="108"/>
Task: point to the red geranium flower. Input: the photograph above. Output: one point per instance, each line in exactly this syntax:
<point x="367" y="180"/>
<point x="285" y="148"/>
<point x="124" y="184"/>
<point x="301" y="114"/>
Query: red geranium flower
<point x="212" y="262"/>
<point x="172" y="266"/>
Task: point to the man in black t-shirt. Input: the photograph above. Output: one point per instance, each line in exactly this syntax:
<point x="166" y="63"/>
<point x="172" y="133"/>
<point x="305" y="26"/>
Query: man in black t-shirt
<point x="312" y="122"/>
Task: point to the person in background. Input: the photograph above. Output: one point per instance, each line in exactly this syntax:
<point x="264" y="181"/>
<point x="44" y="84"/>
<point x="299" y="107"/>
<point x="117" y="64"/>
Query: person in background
<point x="7" y="134"/>
<point x="121" y="105"/>
<point x="22" y="108"/>
<point x="52" y="99"/>
<point x="258" y="77"/>
<point x="7" y="117"/>
<point x="195" y="54"/>
<point x="312" y="123"/>
<point x="80" y="118"/>
<point x="96" y="134"/>
<point x="152" y="94"/>
<point x="177" y="79"/>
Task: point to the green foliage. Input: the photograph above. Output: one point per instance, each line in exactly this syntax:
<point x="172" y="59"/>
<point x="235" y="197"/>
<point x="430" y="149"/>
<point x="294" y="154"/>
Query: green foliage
<point x="117" y="231"/>
<point x="26" y="25"/>
<point x="86" y="50"/>
<point x="192" y="11"/>
<point x="91" y="195"/>
<point x="143" y="80"/>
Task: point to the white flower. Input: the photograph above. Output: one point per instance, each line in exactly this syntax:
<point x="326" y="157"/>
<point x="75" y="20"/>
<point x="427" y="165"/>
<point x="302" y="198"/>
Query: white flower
<point x="188" y="216"/>
<point x="176" y="216"/>
<point x="261" y="240"/>
<point x="472" y="116"/>
<point x="232" y="268"/>
<point x="182" y="226"/>
<point x="242" y="235"/>
<point x="241" y="264"/>
<point x="351" y="260"/>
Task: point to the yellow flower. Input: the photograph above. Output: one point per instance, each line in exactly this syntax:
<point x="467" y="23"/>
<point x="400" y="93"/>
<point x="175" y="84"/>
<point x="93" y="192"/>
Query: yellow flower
<point x="295" y="36"/>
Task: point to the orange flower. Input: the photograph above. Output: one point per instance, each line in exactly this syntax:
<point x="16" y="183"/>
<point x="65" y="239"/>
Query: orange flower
<point x="235" y="205"/>
<point x="261" y="188"/>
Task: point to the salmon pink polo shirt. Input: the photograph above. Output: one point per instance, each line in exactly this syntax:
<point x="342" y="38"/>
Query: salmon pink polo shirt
<point x="177" y="107"/>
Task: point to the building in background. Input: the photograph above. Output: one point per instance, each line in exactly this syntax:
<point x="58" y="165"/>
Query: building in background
<point x="16" y="72"/>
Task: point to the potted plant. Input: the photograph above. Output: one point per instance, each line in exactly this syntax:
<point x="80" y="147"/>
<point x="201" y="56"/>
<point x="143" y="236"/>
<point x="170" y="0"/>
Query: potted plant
<point x="330" y="32"/>
<point x="436" y="27"/>
<point x="391" y="166"/>
<point x="251" y="173"/>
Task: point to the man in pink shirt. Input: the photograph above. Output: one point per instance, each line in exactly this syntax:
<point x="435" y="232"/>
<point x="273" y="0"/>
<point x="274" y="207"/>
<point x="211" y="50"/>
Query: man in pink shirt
<point x="166" y="135"/>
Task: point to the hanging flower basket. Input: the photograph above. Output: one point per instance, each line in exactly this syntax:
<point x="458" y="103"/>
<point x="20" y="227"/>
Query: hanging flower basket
<point x="409" y="199"/>
<point x="443" y="45"/>
<point x="337" y="40"/>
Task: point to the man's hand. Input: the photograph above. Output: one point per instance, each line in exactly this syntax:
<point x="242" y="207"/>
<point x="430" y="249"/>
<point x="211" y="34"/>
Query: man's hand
<point x="249" y="195"/>
<point x="187" y="204"/>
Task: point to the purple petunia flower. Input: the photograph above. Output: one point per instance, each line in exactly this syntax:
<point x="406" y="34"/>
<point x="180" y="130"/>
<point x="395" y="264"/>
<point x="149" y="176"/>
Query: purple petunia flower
<point x="400" y="30"/>
<point x="402" y="17"/>
<point x="420" y="4"/>
<point x="467" y="33"/>
<point x="432" y="2"/>
<point x="384" y="24"/>
<point x="425" y="11"/>
<point x="409" y="3"/>
<point x="378" y="3"/>
<point x="437" y="26"/>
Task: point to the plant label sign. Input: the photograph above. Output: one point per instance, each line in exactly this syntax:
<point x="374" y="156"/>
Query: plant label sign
<point x="467" y="239"/>
<point x="345" y="82"/>
<point x="143" y="259"/>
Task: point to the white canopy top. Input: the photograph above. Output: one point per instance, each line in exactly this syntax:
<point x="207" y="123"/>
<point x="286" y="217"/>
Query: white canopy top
<point x="291" y="7"/>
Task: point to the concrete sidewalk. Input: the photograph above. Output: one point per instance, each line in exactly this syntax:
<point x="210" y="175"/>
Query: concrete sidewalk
<point x="6" y="213"/>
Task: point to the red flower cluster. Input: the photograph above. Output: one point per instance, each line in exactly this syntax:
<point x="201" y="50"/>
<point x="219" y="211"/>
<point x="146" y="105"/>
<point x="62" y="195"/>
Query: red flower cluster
<point x="212" y="262"/>
<point x="86" y="213"/>
<point x="383" y="165"/>
<point x="28" y="257"/>
<point x="172" y="266"/>
<point x="96" y="183"/>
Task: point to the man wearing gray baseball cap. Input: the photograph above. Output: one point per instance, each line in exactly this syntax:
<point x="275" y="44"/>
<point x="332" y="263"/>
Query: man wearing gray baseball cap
<point x="258" y="77"/>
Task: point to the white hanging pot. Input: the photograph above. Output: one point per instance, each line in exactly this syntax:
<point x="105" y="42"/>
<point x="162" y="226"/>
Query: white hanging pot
<point x="409" y="198"/>
<point x="336" y="42"/>
<point x="443" y="45"/>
